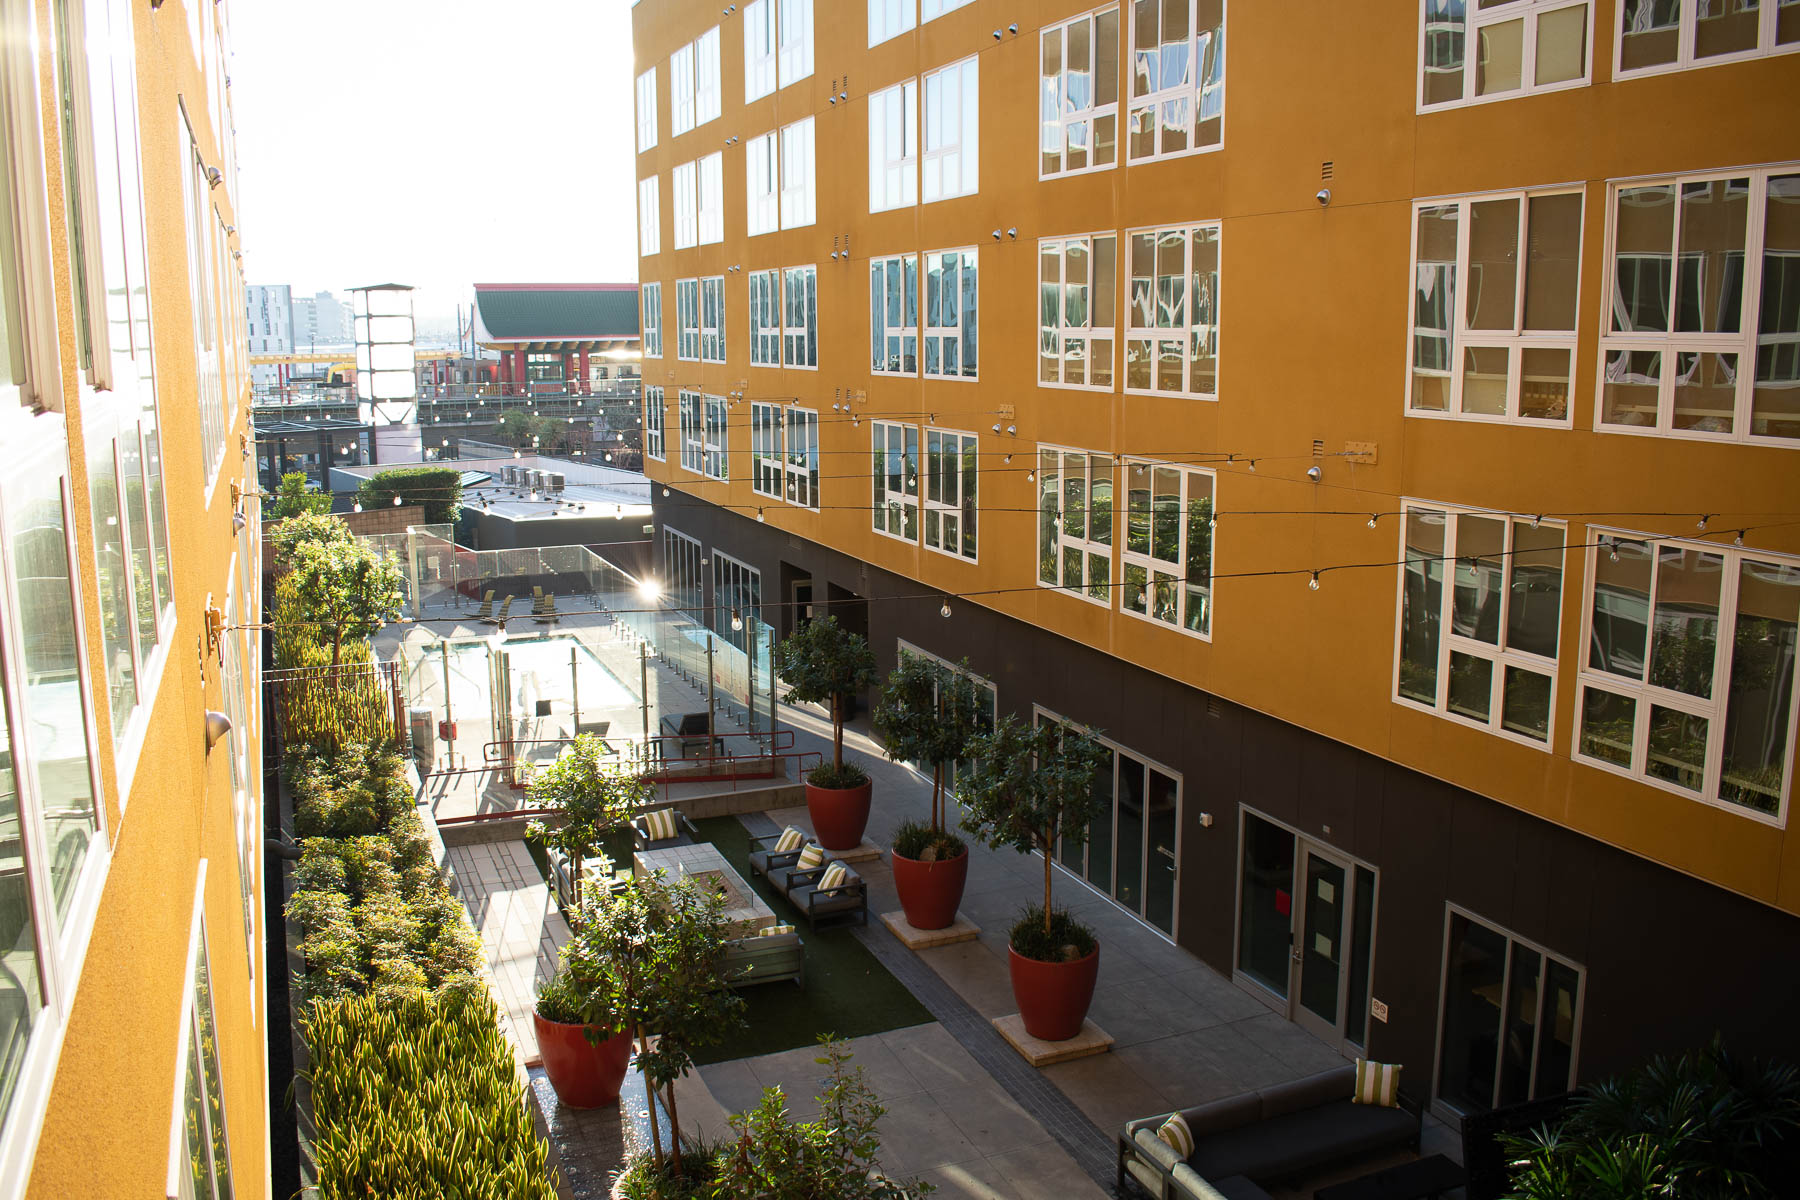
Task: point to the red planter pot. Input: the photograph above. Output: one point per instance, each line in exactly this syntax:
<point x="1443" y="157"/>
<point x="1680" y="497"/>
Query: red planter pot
<point x="839" y="815"/>
<point x="1053" y="997"/>
<point x="930" y="892"/>
<point x="584" y="1075"/>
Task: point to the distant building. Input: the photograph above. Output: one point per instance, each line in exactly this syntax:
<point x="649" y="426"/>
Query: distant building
<point x="270" y="327"/>
<point x="320" y="320"/>
<point x="553" y="335"/>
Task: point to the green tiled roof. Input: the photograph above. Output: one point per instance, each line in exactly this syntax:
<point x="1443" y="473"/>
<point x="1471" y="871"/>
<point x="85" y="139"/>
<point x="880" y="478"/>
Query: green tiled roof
<point x="558" y="313"/>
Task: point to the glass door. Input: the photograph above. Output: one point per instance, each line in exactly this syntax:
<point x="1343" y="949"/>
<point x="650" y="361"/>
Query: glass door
<point x="1320" y="943"/>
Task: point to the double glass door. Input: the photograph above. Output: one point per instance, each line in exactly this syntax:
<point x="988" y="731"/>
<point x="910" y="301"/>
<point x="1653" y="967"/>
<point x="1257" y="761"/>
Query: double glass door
<point x="1306" y="927"/>
<point x="1131" y="852"/>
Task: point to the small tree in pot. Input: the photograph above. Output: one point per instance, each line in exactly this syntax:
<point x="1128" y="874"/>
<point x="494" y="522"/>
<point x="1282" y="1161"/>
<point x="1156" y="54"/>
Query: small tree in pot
<point x="1031" y="789"/>
<point x="823" y="663"/>
<point x="928" y="714"/>
<point x="584" y="1049"/>
<point x="592" y="798"/>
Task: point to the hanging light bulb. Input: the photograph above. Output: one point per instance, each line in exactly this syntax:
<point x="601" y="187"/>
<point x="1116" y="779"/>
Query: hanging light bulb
<point x="1615" y="552"/>
<point x="945" y="611"/>
<point x="1372" y="517"/>
<point x="759" y="514"/>
<point x="1313" y="583"/>
<point x="665" y="491"/>
<point x="1007" y="460"/>
<point x="1704" y="518"/>
<point x="1739" y="539"/>
<point x="737" y="620"/>
<point x="1253" y="466"/>
<point x="396" y="502"/>
<point x="1030" y="476"/>
<point x="1537" y="520"/>
<point x="357" y="506"/>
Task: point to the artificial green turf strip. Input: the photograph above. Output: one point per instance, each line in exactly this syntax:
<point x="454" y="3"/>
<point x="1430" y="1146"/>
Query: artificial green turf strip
<point x="848" y="993"/>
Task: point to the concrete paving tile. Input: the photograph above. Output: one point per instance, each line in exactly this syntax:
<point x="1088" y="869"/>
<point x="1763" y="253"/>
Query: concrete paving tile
<point x="935" y="1058"/>
<point x="1223" y="998"/>
<point x="1117" y="966"/>
<point x="1293" y="1046"/>
<point x="976" y="974"/>
<point x="1192" y="1068"/>
<point x="733" y="1084"/>
<point x="990" y="1119"/>
<point x="1045" y="1172"/>
<point x="1107" y="1089"/>
<point x="916" y="1135"/>
<point x="977" y="1179"/>
<point x="1133" y="1012"/>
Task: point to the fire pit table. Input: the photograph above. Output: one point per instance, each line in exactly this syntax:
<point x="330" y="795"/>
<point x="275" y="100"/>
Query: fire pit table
<point x="701" y="862"/>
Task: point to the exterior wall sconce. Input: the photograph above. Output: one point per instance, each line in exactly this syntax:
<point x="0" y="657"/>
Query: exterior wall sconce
<point x="214" y="177"/>
<point x="1313" y="473"/>
<point x="217" y="726"/>
<point x="238" y="521"/>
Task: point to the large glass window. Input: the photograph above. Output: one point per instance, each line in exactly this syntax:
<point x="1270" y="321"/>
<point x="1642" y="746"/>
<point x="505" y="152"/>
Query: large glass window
<point x="894" y="146"/>
<point x="1177" y="78"/>
<point x="950" y="477"/>
<point x="952" y="294"/>
<point x="714" y="461"/>
<point x="1078" y="95"/>
<point x="759" y="49"/>
<point x="1689" y="678"/>
<point x="737" y="598"/>
<point x="784" y="453"/>
<point x="1172" y="329"/>
<point x="646" y="110"/>
<point x="890" y="18"/>
<point x="712" y="319"/>
<point x="1507" y="350"/>
<point x="687" y="320"/>
<point x="681" y="90"/>
<point x="800" y="317"/>
<point x="952" y="158"/>
<point x="795" y="40"/>
<point x="799" y="205"/>
<point x="202" y="291"/>
<point x="896" y="478"/>
<point x="1166" y="561"/>
<point x="682" y="581"/>
<point x="692" y="433"/>
<point x="1075" y="522"/>
<point x="651" y="294"/>
<point x="765" y="449"/>
<point x="206" y="1150"/>
<point x="1511" y="1013"/>
<point x="1472" y="52"/>
<point x="1668" y="35"/>
<point x="1480" y="612"/>
<point x="803" y="457"/>
<point x="930" y="9"/>
<point x="986" y="700"/>
<point x="707" y="95"/>
<point x="762" y="212"/>
<point x="894" y="315"/>
<point x="649" y="216"/>
<point x="1077" y="310"/>
<point x="711" y="215"/>
<point x="116" y="626"/>
<point x="765" y="318"/>
<point x="1683" y="329"/>
<point x="653" y="422"/>
<point x="686" y="202"/>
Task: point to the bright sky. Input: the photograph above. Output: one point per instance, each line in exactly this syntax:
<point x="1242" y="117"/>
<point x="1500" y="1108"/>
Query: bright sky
<point x="435" y="142"/>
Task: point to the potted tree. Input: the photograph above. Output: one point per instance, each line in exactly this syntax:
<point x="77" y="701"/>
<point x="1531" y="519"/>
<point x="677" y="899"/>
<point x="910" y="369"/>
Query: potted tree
<point x="927" y="715"/>
<point x="824" y="663"/>
<point x="1028" y="789"/>
<point x="585" y="1053"/>
<point x="590" y="798"/>
<point x="655" y="955"/>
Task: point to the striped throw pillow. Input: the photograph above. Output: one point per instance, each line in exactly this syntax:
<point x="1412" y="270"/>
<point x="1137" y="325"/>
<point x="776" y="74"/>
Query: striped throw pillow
<point x="790" y="839"/>
<point x="775" y="931"/>
<point x="811" y="857"/>
<point x="834" y="876"/>
<point x="1176" y="1133"/>
<point x="660" y="824"/>
<point x="1377" y="1083"/>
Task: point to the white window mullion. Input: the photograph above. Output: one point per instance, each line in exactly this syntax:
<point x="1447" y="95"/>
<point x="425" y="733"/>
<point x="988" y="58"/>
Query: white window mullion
<point x="795" y="39"/>
<point x="760" y="184"/>
<point x="798" y="175"/>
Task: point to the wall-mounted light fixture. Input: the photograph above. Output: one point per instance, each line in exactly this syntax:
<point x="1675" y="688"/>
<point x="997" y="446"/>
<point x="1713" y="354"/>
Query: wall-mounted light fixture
<point x="217" y="726"/>
<point x="214" y="177"/>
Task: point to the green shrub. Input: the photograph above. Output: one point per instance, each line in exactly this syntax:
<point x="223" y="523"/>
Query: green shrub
<point x="416" y="1096"/>
<point x="438" y="490"/>
<point x="919" y="841"/>
<point x="837" y="775"/>
<point x="1061" y="939"/>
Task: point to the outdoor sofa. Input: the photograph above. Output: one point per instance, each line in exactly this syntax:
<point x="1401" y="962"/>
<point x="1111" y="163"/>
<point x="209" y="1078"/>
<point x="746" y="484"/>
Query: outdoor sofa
<point x="1243" y="1142"/>
<point x="765" y="959"/>
<point x="685" y="833"/>
<point x="561" y="879"/>
<point x="847" y="902"/>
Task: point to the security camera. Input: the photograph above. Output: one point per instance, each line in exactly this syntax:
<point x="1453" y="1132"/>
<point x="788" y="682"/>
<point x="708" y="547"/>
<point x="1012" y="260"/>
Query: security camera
<point x="1324" y="197"/>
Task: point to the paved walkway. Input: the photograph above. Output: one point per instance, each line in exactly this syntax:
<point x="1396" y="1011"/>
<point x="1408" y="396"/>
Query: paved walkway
<point x="521" y="929"/>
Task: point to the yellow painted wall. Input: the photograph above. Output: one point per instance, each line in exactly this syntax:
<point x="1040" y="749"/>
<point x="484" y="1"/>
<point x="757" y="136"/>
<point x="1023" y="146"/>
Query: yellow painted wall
<point x="1313" y="345"/>
<point x="106" y="1131"/>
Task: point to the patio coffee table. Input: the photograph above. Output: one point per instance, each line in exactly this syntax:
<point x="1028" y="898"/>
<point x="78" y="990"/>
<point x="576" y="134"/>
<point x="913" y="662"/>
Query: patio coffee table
<point x="703" y="863"/>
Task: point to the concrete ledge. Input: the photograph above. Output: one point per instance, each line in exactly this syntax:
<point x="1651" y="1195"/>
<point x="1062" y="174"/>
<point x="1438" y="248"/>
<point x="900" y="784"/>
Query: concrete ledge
<point x="960" y="930"/>
<point x="864" y="851"/>
<point x="1091" y="1040"/>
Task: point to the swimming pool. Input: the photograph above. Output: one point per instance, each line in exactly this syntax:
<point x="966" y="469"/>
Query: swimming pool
<point x="540" y="669"/>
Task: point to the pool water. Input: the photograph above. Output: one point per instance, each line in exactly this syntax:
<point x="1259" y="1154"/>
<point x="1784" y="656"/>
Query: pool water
<point x="540" y="669"/>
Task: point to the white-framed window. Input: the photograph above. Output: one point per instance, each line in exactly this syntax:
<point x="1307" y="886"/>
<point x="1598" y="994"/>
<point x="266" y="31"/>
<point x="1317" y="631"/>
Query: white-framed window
<point x="693" y="442"/>
<point x="1480" y="609"/>
<point x="896" y="479"/>
<point x="707" y="96"/>
<point x="646" y="110"/>
<point x="765" y="318"/>
<point x="651" y="295"/>
<point x="932" y="9"/>
<point x="681" y="90"/>
<point x="1177" y="78"/>
<point x="987" y="698"/>
<point x="1078" y="95"/>
<point x="1075" y="522"/>
<point x="761" y="178"/>
<point x="1669" y="35"/>
<point x="766" y="458"/>
<point x="685" y="178"/>
<point x="799" y="205"/>
<point x="952" y="303"/>
<point x="795" y="41"/>
<point x="800" y="318"/>
<point x="1165" y="563"/>
<point x="952" y="152"/>
<point x="199" y="1145"/>
<point x="712" y="319"/>
<point x="1689" y="681"/>
<point x="649" y="216"/>
<point x="894" y="146"/>
<point x="894" y="315"/>
<point x="737" y="598"/>
<point x="1078" y="320"/>
<point x="683" y="580"/>
<point x="711" y="217"/>
<point x="1496" y="281"/>
<point x="1472" y="53"/>
<point x="714" y="461"/>
<point x="951" y="472"/>
<point x="687" y="320"/>
<point x="202" y="285"/>
<point x="890" y="18"/>
<point x="803" y="457"/>
<point x="1172" y="314"/>
<point x="1702" y="334"/>
<point x="653" y="423"/>
<point x="759" y="49"/>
